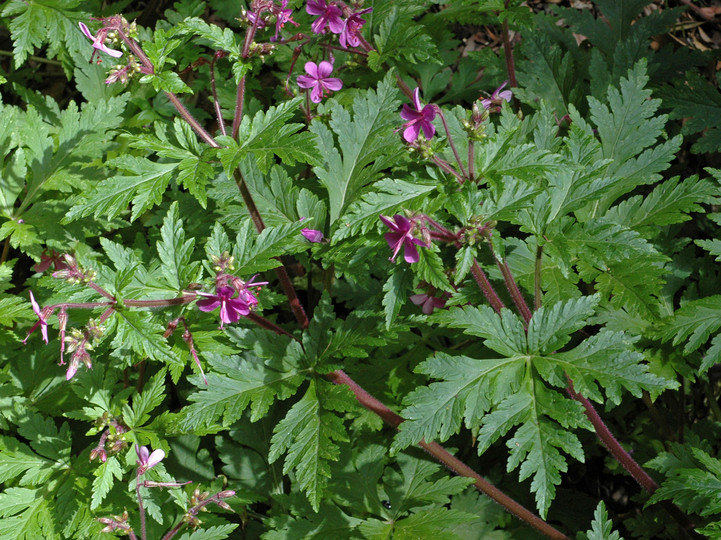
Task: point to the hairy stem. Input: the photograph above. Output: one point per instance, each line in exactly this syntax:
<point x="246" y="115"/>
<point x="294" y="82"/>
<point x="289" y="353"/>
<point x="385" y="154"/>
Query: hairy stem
<point x="141" y="508"/>
<point x="537" y="295"/>
<point x="214" y="88"/>
<point x="447" y="167"/>
<point x="508" y="52"/>
<point x="486" y="287"/>
<point x="450" y="142"/>
<point x="444" y="457"/>
<point x="239" y="100"/>
<point x="471" y="159"/>
<point x="6" y="250"/>
<point x="514" y="291"/>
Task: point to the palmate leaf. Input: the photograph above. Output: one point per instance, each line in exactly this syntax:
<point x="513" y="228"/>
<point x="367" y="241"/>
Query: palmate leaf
<point x="400" y="38"/>
<point x="36" y="521"/>
<point x="367" y="142"/>
<point x="602" y="526"/>
<point x="551" y="327"/>
<point x="105" y="475"/>
<point x="18" y="461"/>
<point x="255" y="252"/>
<point x="308" y="435"/>
<point x="606" y="359"/>
<point x="238" y="382"/>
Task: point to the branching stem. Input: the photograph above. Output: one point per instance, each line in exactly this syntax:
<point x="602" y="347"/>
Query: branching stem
<point x="451" y="144"/>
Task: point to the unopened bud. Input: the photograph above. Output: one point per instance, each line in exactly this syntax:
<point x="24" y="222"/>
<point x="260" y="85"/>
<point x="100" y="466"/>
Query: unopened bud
<point x="224" y="505"/>
<point x="226" y="494"/>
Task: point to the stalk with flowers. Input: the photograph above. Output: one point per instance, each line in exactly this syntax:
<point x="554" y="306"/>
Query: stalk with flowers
<point x="302" y="266"/>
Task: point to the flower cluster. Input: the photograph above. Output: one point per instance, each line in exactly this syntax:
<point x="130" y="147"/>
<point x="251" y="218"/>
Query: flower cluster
<point x="497" y="98"/>
<point x="281" y="13"/>
<point x="330" y="15"/>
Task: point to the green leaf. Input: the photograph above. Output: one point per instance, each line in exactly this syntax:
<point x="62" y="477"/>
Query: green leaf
<point x="105" y="475"/>
<point x="468" y="389"/>
<point x="396" y="292"/>
<point x="400" y="38"/>
<point x="367" y="142"/>
<point x="217" y="532"/>
<point x="258" y="252"/>
<point x="270" y="135"/>
<point x="386" y="197"/>
<point x="238" y="383"/>
<point x="137" y="332"/>
<point x="602" y="526"/>
<point x="153" y="395"/>
<point x="695" y="321"/>
<point x="551" y="328"/>
<point x="503" y="333"/>
<point x="308" y="434"/>
<point x="175" y="252"/>
<point x="143" y="189"/>
<point x="18" y="461"/>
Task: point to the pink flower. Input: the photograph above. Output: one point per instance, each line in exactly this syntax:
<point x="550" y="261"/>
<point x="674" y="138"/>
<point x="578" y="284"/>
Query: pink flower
<point x="402" y="235"/>
<point x="283" y="16"/>
<point x="328" y="15"/>
<point x="312" y="235"/>
<point x="146" y="460"/>
<point x="231" y="309"/>
<point x="42" y="323"/>
<point x="350" y="37"/>
<point x="318" y="80"/>
<point x="99" y="40"/>
<point x="418" y="119"/>
<point x="497" y="97"/>
<point x="427" y="302"/>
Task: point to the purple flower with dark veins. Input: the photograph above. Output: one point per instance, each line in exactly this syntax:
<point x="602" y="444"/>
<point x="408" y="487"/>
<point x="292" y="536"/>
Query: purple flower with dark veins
<point x="350" y="37"/>
<point x="99" y="41"/>
<point x="402" y="236"/>
<point x="327" y="15"/>
<point x="318" y="79"/>
<point x="417" y="119"/>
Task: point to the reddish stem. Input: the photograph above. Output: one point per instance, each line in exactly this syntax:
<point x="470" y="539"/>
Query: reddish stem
<point x="444" y="457"/>
<point x="514" y="291"/>
<point x="239" y="99"/>
<point x="486" y="287"/>
<point x="508" y="52"/>
<point x="450" y="142"/>
<point x="214" y="88"/>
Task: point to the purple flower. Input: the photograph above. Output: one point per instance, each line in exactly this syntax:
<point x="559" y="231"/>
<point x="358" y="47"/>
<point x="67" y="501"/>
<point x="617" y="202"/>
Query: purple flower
<point x="318" y="80"/>
<point x="418" y="119"/>
<point x="328" y="15"/>
<point x="402" y="235"/>
<point x="146" y="460"/>
<point x="427" y="302"/>
<point x="312" y="235"/>
<point x="42" y="323"/>
<point x="231" y="309"/>
<point x="497" y="97"/>
<point x="283" y="16"/>
<point x="350" y="37"/>
<point x="99" y="40"/>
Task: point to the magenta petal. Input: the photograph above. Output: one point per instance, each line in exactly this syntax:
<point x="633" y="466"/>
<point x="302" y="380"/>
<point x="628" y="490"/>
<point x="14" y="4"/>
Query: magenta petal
<point x="404" y="224"/>
<point x="324" y="69"/>
<point x="311" y="68"/>
<point x="410" y="253"/>
<point x="417" y="99"/>
<point x="418" y="299"/>
<point x="388" y="223"/>
<point x="335" y="23"/>
<point x="312" y="235"/>
<point x="333" y="84"/>
<point x="208" y="304"/>
<point x="111" y="52"/>
<point x="410" y="134"/>
<point x="407" y="113"/>
<point x="85" y="30"/>
<point x="142" y="453"/>
<point x="315" y="7"/>
<point x="428" y="129"/>
<point x="304" y="81"/>
<point x="155" y="458"/>
<point x="316" y="95"/>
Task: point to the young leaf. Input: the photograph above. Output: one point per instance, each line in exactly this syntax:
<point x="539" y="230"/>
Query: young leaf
<point x="175" y="251"/>
<point x="602" y="526"/>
